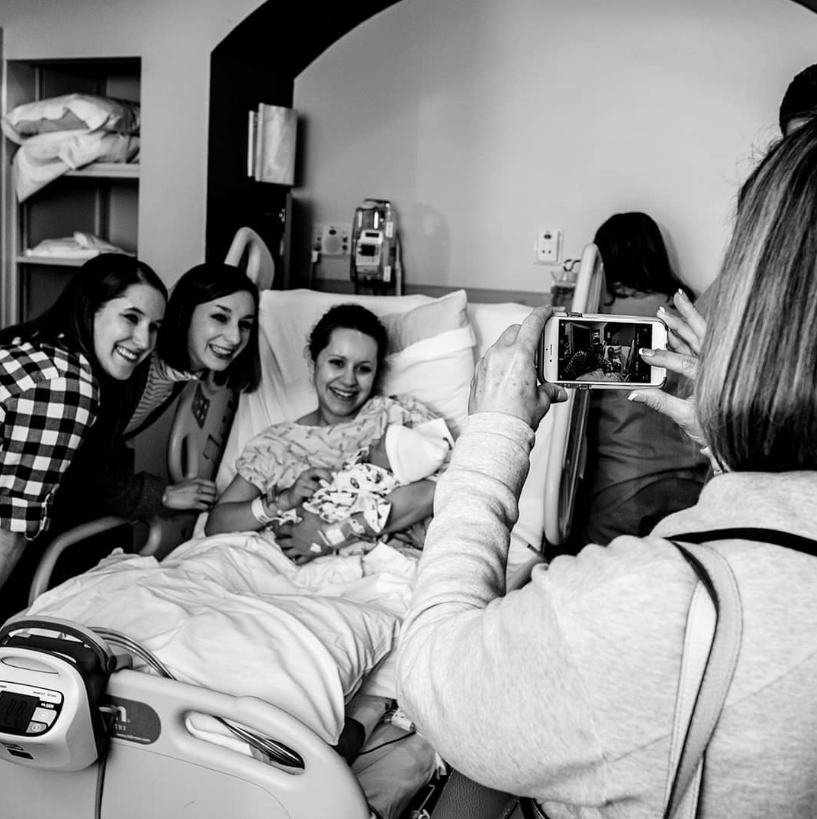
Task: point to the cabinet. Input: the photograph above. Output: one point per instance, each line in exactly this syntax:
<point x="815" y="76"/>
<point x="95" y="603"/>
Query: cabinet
<point x="100" y="198"/>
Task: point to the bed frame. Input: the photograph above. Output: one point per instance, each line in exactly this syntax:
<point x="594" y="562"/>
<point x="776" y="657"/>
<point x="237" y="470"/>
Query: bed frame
<point x="182" y="776"/>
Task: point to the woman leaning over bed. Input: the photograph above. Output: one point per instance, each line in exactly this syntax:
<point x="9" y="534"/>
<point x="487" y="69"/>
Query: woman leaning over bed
<point x="58" y="372"/>
<point x="284" y="465"/>
<point x="209" y="328"/>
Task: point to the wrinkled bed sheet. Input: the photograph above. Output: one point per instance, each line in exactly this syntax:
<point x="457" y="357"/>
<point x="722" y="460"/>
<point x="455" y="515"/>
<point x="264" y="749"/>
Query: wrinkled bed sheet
<point x="234" y="614"/>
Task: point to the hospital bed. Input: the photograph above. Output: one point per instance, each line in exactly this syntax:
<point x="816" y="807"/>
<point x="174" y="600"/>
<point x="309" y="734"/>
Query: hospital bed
<point x="155" y="766"/>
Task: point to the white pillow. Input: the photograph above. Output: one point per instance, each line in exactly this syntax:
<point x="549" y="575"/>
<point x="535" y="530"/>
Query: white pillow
<point x="438" y="372"/>
<point x="490" y="320"/>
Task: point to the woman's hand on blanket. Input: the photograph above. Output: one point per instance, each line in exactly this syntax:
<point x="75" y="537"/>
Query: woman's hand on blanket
<point x="298" y="540"/>
<point x="308" y="482"/>
<point x="194" y="493"/>
<point x="505" y="378"/>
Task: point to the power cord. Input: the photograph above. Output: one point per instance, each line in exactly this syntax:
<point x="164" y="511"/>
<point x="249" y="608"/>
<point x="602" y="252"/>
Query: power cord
<point x="102" y="763"/>
<point x="384" y="744"/>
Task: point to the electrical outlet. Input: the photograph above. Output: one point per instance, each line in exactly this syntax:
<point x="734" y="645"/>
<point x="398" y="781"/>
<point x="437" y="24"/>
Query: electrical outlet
<point x="548" y="246"/>
<point x="332" y="239"/>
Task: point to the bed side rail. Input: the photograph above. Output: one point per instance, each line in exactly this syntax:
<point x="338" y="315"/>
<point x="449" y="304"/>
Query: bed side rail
<point x="566" y="456"/>
<point x="163" y="535"/>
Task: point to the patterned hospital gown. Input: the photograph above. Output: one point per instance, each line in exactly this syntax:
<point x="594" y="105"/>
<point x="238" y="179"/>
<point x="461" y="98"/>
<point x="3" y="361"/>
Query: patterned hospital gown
<point x="278" y="455"/>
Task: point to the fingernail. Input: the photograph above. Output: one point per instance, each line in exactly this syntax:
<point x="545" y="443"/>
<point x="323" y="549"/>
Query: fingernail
<point x="661" y="311"/>
<point x="636" y="397"/>
<point x="646" y="352"/>
<point x="681" y="295"/>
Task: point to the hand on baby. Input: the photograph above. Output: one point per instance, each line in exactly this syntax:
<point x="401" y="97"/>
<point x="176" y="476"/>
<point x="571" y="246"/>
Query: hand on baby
<point x="308" y="482"/>
<point x="297" y="540"/>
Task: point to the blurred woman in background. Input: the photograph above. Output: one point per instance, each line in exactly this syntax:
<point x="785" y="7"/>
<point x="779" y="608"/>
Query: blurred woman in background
<point x="641" y="467"/>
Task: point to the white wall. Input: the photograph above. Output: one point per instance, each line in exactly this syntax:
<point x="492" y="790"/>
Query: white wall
<point x="480" y="119"/>
<point x="174" y="38"/>
<point x="485" y="119"/>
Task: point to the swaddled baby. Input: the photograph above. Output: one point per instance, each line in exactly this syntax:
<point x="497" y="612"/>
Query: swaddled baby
<point x="354" y="505"/>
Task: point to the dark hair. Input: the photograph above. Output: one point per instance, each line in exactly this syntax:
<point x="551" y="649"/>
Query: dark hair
<point x="349" y="317"/>
<point x="757" y="385"/>
<point x="199" y="285"/>
<point x="800" y="99"/>
<point x="635" y="256"/>
<point x="69" y="322"/>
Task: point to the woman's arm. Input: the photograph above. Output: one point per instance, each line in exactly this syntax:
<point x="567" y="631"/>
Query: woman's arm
<point x="233" y="511"/>
<point x="140" y="495"/>
<point x="410" y="504"/>
<point x="302" y="541"/>
<point x="240" y="510"/>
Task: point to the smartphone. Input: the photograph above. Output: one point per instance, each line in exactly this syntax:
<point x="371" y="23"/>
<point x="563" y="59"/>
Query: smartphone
<point x="600" y="352"/>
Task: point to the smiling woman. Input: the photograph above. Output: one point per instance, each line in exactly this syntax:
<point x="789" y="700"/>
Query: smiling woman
<point x="125" y="330"/>
<point x="283" y="466"/>
<point x="56" y="372"/>
<point x="209" y="327"/>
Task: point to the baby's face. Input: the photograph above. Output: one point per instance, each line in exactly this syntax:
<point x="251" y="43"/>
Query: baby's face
<point x="377" y="453"/>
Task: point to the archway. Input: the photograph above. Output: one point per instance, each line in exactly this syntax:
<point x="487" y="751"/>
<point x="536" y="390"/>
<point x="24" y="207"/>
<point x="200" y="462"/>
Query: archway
<point x="258" y="62"/>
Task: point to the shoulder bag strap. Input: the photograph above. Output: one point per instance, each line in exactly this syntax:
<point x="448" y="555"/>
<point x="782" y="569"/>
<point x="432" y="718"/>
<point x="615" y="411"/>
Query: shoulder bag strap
<point x="786" y="539"/>
<point x="712" y="644"/>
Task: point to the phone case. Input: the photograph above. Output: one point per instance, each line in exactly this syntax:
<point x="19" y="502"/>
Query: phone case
<point x="611" y="385"/>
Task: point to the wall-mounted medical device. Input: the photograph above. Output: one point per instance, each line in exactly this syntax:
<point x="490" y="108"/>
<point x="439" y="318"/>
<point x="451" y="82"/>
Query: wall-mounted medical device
<point x="375" y="253"/>
<point x="52" y="678"/>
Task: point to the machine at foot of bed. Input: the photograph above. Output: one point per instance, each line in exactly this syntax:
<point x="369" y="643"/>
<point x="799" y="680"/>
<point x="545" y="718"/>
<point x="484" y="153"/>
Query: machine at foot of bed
<point x="155" y="768"/>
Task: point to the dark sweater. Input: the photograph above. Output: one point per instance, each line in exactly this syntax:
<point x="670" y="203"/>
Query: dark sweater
<point x="101" y="479"/>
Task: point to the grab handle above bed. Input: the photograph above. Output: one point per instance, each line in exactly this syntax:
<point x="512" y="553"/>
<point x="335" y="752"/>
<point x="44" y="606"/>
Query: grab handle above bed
<point x="249" y="252"/>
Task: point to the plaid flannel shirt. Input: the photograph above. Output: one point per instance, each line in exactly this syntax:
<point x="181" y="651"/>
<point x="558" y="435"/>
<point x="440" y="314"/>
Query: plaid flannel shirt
<point x="49" y="398"/>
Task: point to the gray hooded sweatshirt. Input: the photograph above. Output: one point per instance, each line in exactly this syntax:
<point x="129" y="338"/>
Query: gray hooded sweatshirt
<point x="565" y="690"/>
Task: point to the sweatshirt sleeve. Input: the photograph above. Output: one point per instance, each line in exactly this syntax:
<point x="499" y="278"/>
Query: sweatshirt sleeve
<point x="476" y="670"/>
<point x="133" y="496"/>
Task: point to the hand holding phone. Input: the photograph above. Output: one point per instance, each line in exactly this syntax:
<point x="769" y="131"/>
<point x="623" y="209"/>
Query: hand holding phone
<point x="595" y="351"/>
<point x="505" y="378"/>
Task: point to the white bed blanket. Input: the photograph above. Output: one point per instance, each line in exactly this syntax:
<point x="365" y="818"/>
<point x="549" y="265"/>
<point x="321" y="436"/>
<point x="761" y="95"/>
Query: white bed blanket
<point x="233" y="613"/>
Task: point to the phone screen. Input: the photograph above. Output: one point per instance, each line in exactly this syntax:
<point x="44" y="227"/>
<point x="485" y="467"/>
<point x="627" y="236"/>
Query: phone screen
<point x="599" y="351"/>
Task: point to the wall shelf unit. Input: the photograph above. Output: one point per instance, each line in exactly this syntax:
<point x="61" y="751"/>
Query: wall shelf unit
<point x="101" y="199"/>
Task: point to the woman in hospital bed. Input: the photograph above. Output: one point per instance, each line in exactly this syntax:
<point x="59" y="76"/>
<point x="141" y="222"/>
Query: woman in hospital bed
<point x="239" y="614"/>
<point x="284" y="465"/>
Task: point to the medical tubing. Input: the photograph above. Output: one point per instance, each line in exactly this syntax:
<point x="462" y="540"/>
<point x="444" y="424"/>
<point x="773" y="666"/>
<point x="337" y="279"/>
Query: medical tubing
<point x="276" y="751"/>
<point x="384" y="744"/>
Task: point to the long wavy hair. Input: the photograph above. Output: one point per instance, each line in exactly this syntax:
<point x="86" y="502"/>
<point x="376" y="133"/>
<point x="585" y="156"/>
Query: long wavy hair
<point x="757" y="386"/>
<point x="69" y="322"/>
<point x="199" y="285"/>
<point x="635" y="257"/>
